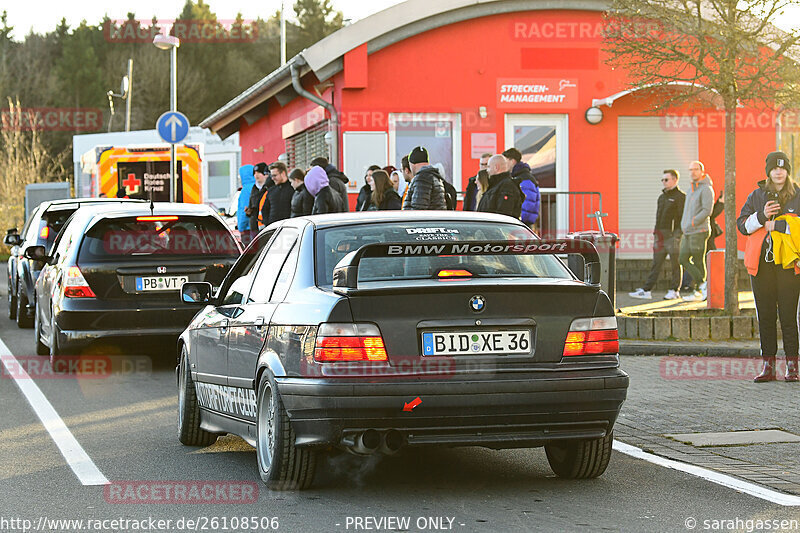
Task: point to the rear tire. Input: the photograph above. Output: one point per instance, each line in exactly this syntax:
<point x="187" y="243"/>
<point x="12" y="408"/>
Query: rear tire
<point x="57" y="352"/>
<point x="12" y="301"/>
<point x="24" y="320"/>
<point x="281" y="464"/>
<point x="189" y="431"/>
<point x="580" y="459"/>
<point x="41" y="348"/>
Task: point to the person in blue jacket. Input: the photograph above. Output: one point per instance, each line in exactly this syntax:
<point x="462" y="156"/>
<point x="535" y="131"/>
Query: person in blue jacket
<point x="521" y="174"/>
<point x="242" y="220"/>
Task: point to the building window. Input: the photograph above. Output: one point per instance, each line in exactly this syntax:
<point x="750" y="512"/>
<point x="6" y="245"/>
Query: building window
<point x="306" y="145"/>
<point x="439" y="133"/>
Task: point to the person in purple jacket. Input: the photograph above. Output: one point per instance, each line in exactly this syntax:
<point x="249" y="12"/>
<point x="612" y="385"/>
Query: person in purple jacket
<point x="521" y="174"/>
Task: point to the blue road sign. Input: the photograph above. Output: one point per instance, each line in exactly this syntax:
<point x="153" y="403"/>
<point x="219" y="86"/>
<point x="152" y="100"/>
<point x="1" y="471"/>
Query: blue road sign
<point x="173" y="126"/>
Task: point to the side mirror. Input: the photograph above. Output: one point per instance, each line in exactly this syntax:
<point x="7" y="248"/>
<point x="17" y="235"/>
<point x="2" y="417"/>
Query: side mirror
<point x="12" y="239"/>
<point x="592" y="274"/>
<point x="36" y="253"/>
<point x="196" y="293"/>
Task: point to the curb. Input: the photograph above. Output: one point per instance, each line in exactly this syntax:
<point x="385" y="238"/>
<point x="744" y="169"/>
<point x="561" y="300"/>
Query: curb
<point x="627" y="347"/>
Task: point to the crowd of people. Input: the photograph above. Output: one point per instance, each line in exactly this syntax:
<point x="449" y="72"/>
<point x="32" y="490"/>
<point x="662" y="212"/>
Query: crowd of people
<point x="685" y="229"/>
<point x="504" y="184"/>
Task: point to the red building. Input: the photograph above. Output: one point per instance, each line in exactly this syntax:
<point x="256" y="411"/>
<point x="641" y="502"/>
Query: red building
<point x="465" y="77"/>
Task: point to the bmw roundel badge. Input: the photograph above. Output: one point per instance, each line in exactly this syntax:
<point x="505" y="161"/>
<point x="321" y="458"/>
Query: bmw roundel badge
<point x="477" y="303"/>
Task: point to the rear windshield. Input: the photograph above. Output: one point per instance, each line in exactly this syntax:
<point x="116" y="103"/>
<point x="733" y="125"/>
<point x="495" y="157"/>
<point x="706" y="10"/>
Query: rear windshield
<point x="183" y="236"/>
<point x="333" y="244"/>
<point x="50" y="225"/>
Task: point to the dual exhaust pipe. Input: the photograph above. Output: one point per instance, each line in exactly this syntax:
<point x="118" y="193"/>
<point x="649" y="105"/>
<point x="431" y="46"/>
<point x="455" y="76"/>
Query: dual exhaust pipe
<point x="373" y="441"/>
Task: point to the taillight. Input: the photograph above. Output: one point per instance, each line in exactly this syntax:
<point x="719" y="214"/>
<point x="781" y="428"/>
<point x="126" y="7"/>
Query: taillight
<point x="163" y="218"/>
<point x="75" y="285"/>
<point x="592" y="336"/>
<point x="349" y="342"/>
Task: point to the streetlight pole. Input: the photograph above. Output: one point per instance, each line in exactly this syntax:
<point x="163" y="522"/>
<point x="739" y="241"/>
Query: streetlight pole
<point x="128" y="96"/>
<point x="169" y="42"/>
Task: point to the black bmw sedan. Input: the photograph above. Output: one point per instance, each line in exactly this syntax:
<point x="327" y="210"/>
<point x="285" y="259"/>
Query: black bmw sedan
<point x="114" y="274"/>
<point x="369" y="332"/>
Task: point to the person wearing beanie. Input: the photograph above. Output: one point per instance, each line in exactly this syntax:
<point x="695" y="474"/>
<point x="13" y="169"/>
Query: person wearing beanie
<point x="776" y="289"/>
<point x="262" y="183"/>
<point x="326" y="200"/>
<point x="426" y="190"/>
<point x="696" y="227"/>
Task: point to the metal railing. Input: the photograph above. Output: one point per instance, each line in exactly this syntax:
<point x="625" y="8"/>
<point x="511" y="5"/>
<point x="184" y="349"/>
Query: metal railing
<point x="582" y="212"/>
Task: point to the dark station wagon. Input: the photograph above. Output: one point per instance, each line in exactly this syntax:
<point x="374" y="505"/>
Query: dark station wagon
<point x="371" y="332"/>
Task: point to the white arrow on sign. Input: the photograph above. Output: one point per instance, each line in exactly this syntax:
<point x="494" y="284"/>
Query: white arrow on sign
<point x="172" y="122"/>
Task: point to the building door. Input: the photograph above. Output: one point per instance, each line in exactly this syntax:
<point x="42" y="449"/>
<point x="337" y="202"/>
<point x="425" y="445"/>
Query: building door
<point x="647" y="147"/>
<point x="542" y="140"/>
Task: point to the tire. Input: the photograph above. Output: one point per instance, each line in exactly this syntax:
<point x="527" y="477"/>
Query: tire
<point x="281" y="464"/>
<point x="12" y="301"/>
<point x="189" y="431"/>
<point x="24" y="320"/>
<point x="582" y="459"/>
<point x="57" y="352"/>
<point x="41" y="348"/>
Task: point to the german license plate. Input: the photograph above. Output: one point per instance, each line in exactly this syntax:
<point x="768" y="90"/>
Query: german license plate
<point x="160" y="283"/>
<point x="483" y="342"/>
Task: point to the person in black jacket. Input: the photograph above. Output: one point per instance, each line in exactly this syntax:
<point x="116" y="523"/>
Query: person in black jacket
<point x="302" y="201"/>
<point x="278" y="203"/>
<point x="326" y="200"/>
<point x="776" y="290"/>
<point x="365" y="194"/>
<point x="471" y="194"/>
<point x="667" y="234"/>
<point x="383" y="197"/>
<point x="426" y="190"/>
<point x="503" y="195"/>
<point x="336" y="180"/>
<point x="260" y="187"/>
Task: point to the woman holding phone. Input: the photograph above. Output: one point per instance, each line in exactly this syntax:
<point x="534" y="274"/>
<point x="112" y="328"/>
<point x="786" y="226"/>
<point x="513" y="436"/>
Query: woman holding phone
<point x="776" y="290"/>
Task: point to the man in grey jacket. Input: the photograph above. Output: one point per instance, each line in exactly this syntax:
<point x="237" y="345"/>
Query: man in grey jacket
<point x="696" y="228"/>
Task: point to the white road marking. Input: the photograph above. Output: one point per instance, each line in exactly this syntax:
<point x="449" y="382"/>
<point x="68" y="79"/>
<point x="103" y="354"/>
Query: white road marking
<point x="731" y="482"/>
<point x="76" y="457"/>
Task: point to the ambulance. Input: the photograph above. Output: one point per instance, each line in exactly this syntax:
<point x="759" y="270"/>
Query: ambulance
<point x="143" y="171"/>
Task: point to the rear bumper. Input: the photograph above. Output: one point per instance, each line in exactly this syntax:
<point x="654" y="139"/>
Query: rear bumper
<point x="504" y="412"/>
<point x="86" y="324"/>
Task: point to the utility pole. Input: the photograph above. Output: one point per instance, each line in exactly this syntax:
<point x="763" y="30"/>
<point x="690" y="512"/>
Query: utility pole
<point x="283" y="35"/>
<point x="128" y="96"/>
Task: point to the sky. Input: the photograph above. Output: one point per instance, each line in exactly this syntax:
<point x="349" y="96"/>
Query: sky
<point x="43" y="15"/>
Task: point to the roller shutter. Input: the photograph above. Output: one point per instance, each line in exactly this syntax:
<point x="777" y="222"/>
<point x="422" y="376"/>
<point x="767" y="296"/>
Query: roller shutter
<point x="646" y="148"/>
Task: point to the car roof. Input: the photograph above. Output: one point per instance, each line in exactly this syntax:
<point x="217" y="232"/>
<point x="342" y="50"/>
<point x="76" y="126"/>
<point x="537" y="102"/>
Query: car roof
<point x="365" y="217"/>
<point x="143" y="208"/>
<point x="83" y="201"/>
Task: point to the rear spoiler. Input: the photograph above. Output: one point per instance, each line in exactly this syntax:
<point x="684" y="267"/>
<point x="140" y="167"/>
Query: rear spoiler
<point x="345" y="274"/>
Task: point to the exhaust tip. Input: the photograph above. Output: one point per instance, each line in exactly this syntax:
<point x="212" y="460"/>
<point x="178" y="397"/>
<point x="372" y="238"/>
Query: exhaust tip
<point x="393" y="441"/>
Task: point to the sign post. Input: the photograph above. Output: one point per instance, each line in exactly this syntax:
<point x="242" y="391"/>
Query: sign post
<point x="173" y="127"/>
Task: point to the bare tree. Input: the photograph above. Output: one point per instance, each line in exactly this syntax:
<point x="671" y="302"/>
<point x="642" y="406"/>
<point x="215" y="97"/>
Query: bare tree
<point x="23" y="160"/>
<point x="727" y="47"/>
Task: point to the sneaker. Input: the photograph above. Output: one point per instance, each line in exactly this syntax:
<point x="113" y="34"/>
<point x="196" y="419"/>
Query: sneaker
<point x="696" y="296"/>
<point x="641" y="293"/>
<point x="672" y="295"/>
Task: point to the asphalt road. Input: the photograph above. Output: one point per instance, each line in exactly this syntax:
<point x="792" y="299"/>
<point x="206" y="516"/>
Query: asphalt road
<point x="126" y="420"/>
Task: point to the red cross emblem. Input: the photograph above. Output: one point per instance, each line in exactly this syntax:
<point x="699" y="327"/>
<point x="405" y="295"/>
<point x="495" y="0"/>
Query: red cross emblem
<point x="131" y="184"/>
